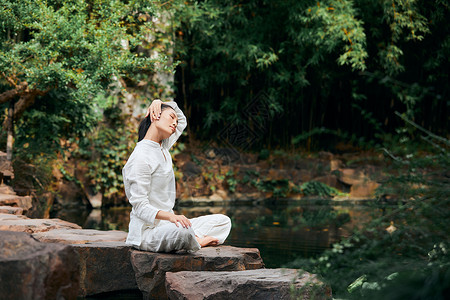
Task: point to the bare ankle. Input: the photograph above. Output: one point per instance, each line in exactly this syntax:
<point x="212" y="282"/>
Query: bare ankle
<point x="207" y="241"/>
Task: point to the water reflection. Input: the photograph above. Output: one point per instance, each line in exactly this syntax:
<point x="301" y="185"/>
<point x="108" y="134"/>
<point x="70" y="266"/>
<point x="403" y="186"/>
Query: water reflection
<point x="285" y="231"/>
<point x="281" y="231"/>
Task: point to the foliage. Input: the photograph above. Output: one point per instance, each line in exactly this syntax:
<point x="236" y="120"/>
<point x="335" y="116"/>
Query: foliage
<point x="327" y="25"/>
<point x="316" y="61"/>
<point x="231" y="181"/>
<point x="316" y="188"/>
<point x="404" y="253"/>
<point x="105" y="151"/>
<point x="71" y="45"/>
<point x="35" y="179"/>
<point x="56" y="56"/>
<point x="279" y="188"/>
<point x="59" y="61"/>
<point x="43" y="128"/>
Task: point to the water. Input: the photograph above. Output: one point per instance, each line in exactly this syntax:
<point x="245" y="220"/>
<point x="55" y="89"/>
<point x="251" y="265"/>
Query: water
<point x="281" y="230"/>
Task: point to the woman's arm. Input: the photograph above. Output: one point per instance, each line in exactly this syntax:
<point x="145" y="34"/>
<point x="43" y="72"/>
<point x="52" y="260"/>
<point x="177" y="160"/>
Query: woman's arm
<point x="154" y="111"/>
<point x="182" y="123"/>
<point x="137" y="179"/>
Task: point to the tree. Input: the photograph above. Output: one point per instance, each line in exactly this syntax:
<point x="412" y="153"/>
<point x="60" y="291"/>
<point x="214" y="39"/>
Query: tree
<point x="63" y="53"/>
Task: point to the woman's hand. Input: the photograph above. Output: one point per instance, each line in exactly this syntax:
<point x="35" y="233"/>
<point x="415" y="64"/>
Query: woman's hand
<point x="180" y="219"/>
<point x="165" y="215"/>
<point x="154" y="110"/>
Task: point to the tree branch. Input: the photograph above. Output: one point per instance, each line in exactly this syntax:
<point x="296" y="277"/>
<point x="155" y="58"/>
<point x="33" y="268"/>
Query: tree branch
<point x="10" y="80"/>
<point x="24" y="102"/>
<point x="439" y="138"/>
<point x="11" y="94"/>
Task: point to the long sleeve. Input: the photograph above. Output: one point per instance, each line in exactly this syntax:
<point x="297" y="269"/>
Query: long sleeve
<point x="182" y="123"/>
<point x="137" y="188"/>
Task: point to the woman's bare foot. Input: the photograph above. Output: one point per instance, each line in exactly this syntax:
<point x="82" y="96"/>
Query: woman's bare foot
<point x="207" y="241"/>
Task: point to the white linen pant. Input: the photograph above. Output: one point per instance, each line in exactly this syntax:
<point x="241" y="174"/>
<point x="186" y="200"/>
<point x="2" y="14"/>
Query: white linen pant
<point x="167" y="237"/>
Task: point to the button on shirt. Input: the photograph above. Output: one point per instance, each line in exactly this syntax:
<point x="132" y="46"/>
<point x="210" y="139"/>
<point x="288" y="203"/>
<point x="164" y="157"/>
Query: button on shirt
<point x="149" y="181"/>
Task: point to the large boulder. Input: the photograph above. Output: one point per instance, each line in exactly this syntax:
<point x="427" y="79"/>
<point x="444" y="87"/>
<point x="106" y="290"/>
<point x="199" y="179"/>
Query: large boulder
<point x="105" y="264"/>
<point x="150" y="268"/>
<point x="249" y="284"/>
<point x="105" y="267"/>
<point x="33" y="270"/>
<point x="10" y="222"/>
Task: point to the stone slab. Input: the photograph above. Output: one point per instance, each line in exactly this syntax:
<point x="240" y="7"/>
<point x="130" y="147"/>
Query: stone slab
<point x="150" y="268"/>
<point x="80" y="236"/>
<point x="249" y="284"/>
<point x="33" y="270"/>
<point x="24" y="202"/>
<point x="17" y="223"/>
<point x="11" y="210"/>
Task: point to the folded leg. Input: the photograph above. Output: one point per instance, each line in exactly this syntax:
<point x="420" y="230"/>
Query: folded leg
<point x="216" y="225"/>
<point x="168" y="237"/>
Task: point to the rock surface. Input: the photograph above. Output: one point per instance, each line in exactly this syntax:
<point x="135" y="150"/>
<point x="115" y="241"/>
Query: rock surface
<point x="107" y="264"/>
<point x="16" y="201"/>
<point x="33" y="270"/>
<point x="150" y="268"/>
<point x="330" y="180"/>
<point x="6" y="169"/>
<point x="100" y="262"/>
<point x="364" y="190"/>
<point x="351" y="176"/>
<point x="10" y="222"/>
<point x="105" y="267"/>
<point x="250" y="284"/>
<point x="80" y="236"/>
<point x="11" y="210"/>
<point x="6" y="189"/>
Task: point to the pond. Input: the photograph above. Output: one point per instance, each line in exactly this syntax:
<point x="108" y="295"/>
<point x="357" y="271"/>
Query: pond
<point x="281" y="230"/>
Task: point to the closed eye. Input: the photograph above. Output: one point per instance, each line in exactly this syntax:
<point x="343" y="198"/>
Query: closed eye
<point x="174" y="117"/>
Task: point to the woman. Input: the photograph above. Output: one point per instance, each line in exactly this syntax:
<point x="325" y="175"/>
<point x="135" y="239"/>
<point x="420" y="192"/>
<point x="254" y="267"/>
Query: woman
<point x="150" y="188"/>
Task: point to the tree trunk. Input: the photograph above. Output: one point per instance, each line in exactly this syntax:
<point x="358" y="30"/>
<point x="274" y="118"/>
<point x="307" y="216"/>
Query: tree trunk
<point x="187" y="108"/>
<point x="10" y="130"/>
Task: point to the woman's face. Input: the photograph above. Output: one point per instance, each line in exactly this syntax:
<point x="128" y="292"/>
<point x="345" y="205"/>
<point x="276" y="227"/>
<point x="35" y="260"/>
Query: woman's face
<point x="167" y="122"/>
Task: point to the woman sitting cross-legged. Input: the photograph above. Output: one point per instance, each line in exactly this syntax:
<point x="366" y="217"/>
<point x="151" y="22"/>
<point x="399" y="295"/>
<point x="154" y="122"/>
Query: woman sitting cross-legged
<point x="150" y="188"/>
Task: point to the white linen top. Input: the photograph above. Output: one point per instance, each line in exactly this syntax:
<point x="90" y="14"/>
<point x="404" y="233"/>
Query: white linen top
<point x="149" y="181"/>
